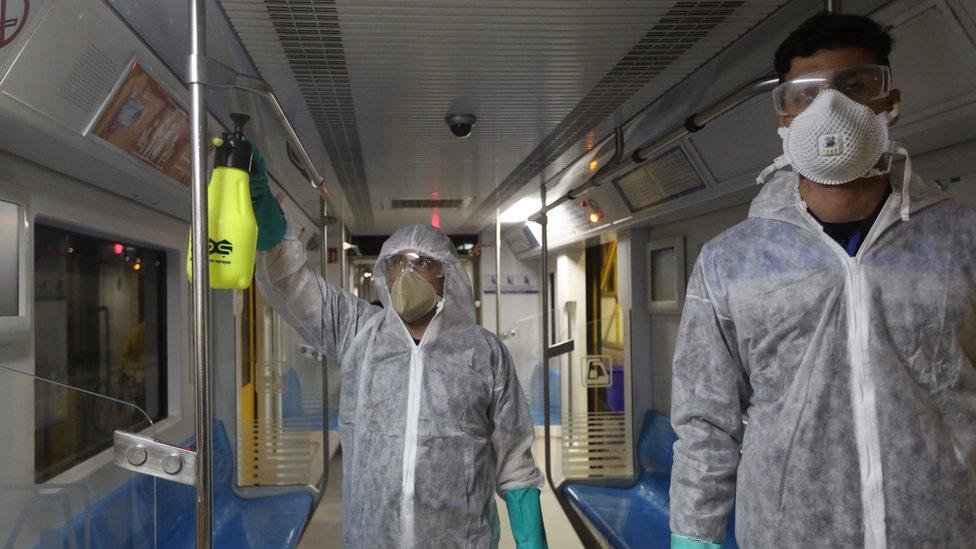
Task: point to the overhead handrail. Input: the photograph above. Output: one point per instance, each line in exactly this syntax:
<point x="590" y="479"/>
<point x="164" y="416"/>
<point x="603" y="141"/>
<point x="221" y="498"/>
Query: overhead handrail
<point x="692" y="124"/>
<point x="697" y="122"/>
<point x="213" y="73"/>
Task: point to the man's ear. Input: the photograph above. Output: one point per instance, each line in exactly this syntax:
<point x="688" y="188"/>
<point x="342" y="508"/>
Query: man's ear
<point x="894" y="98"/>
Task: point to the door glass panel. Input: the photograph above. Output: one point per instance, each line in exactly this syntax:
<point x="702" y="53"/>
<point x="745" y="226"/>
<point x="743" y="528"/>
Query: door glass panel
<point x="101" y="505"/>
<point x="281" y="417"/>
<point x="597" y="437"/>
<point x="522" y="340"/>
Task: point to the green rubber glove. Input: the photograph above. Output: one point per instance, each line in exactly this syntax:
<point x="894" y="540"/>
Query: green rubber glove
<point x="681" y="542"/>
<point x="525" y="515"/>
<point x="267" y="211"/>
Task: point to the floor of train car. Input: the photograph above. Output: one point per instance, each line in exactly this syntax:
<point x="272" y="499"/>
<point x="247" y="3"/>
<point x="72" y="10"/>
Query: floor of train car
<point x="325" y="528"/>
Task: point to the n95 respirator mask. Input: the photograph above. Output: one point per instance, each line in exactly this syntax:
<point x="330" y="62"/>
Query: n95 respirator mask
<point x="836" y="140"/>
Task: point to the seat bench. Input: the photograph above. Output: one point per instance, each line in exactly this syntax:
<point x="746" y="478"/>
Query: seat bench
<point x="638" y="516"/>
<point x="271" y="521"/>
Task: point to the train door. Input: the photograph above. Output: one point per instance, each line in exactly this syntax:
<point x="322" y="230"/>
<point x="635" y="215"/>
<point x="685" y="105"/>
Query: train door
<point x="92" y="361"/>
<point x="281" y="437"/>
<point x="596" y="440"/>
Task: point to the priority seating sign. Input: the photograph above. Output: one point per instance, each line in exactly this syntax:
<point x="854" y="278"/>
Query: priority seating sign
<point x="595" y="373"/>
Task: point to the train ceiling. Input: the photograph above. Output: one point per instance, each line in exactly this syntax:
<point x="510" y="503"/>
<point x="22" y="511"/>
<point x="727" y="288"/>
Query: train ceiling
<point x="546" y="79"/>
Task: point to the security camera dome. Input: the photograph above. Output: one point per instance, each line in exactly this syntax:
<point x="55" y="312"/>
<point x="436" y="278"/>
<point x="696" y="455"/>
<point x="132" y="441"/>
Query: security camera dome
<point x="460" y="124"/>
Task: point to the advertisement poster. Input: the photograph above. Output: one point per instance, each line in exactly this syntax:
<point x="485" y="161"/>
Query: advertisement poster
<point x="143" y="120"/>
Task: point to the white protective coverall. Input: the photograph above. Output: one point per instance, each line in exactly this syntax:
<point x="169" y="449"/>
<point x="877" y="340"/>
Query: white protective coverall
<point x="856" y="374"/>
<point x="430" y="431"/>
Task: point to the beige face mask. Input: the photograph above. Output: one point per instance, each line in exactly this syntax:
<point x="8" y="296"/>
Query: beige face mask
<point x="412" y="296"/>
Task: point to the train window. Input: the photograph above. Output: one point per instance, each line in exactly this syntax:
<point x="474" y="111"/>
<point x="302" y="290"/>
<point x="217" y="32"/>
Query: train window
<point x="666" y="275"/>
<point x="100" y="317"/>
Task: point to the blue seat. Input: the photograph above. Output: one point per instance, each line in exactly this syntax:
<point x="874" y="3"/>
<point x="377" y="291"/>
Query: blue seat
<point x="124" y="517"/>
<point x="295" y="415"/>
<point x="638" y="516"/>
<point x="536" y="392"/>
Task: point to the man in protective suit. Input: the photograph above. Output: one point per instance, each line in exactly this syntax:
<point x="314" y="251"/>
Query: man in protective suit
<point x="432" y="418"/>
<point x="840" y="317"/>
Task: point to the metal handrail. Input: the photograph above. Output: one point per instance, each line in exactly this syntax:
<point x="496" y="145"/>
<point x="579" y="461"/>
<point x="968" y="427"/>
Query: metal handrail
<point x="324" y="264"/>
<point x="215" y="74"/>
<point x="204" y="71"/>
<point x="203" y="393"/>
<point x="694" y="123"/>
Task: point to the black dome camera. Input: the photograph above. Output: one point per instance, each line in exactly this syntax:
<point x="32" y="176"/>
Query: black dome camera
<point x="460" y="124"/>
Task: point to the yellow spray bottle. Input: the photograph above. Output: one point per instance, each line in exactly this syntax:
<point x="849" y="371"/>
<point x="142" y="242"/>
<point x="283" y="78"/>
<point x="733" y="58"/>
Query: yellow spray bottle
<point x="233" y="230"/>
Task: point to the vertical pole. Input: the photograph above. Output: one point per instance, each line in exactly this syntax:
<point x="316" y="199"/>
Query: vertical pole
<point x="498" y="274"/>
<point x="544" y="288"/>
<point x="833" y="6"/>
<point x="343" y="276"/>
<point x="324" y="264"/>
<point x="201" y="277"/>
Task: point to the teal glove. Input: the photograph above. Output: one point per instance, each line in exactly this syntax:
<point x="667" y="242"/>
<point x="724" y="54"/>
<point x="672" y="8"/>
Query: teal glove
<point x="681" y="542"/>
<point x="525" y="515"/>
<point x="267" y="211"/>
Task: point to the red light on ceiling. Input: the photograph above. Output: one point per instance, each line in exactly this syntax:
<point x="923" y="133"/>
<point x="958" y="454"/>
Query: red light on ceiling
<point x="118" y="249"/>
<point x="435" y="219"/>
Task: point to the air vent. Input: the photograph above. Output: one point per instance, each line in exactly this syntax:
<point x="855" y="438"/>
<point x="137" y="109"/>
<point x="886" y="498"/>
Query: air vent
<point x="658" y="180"/>
<point x="310" y="37"/>
<point x="426" y="203"/>
<point x="90" y="79"/>
<point x="69" y="64"/>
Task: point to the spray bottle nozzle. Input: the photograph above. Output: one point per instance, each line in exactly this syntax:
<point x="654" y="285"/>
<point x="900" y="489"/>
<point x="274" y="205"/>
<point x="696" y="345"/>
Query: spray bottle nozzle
<point x="235" y="151"/>
<point x="239" y="119"/>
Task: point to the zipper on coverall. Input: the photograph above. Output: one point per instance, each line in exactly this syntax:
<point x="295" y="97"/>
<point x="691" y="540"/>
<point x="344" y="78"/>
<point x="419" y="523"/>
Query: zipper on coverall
<point x="863" y="397"/>
<point x="411" y="422"/>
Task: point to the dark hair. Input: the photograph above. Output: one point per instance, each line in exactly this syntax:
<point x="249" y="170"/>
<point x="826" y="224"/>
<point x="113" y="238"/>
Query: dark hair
<point x="827" y="31"/>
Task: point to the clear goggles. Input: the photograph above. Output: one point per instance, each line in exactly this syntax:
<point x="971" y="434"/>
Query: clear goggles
<point x="423" y="265"/>
<point x="862" y="83"/>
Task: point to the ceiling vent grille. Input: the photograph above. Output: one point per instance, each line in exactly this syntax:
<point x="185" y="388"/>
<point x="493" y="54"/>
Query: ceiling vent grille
<point x="311" y="39"/>
<point x="679" y="29"/>
<point x="425" y="203"/>
<point x="658" y="180"/>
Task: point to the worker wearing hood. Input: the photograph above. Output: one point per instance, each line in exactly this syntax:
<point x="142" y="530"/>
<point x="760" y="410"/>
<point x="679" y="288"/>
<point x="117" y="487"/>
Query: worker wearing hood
<point x="840" y="317"/>
<point x="432" y="418"/>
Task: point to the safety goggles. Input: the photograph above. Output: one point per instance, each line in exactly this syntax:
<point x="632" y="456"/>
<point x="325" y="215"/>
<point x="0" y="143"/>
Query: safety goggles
<point x="423" y="265"/>
<point x="862" y="83"/>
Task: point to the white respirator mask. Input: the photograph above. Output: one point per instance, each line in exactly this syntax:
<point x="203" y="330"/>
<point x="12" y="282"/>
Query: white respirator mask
<point x="837" y="140"/>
